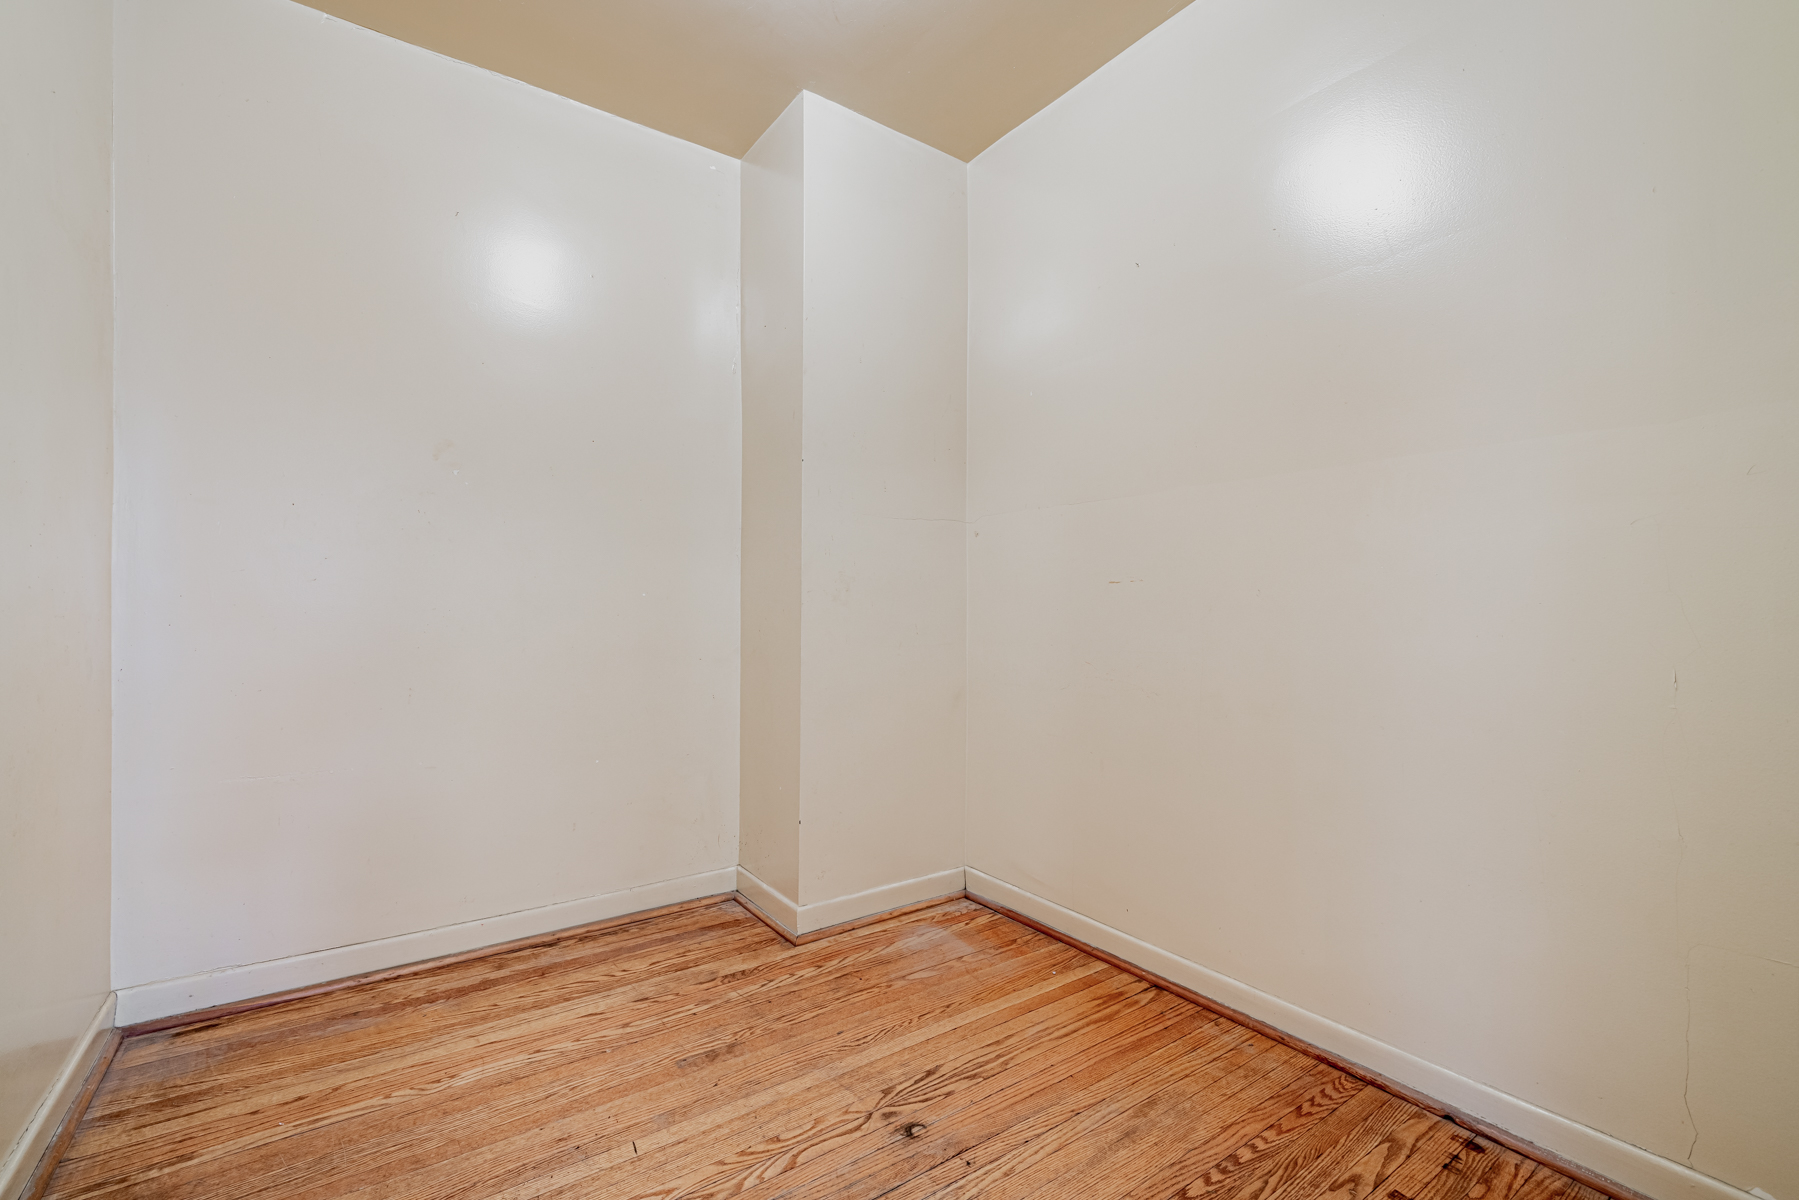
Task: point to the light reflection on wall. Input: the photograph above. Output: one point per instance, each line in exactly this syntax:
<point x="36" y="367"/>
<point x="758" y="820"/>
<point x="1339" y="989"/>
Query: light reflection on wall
<point x="1366" y="180"/>
<point x="529" y="274"/>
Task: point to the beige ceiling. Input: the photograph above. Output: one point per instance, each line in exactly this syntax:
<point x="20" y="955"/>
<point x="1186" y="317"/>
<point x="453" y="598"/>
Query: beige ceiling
<point x="957" y="74"/>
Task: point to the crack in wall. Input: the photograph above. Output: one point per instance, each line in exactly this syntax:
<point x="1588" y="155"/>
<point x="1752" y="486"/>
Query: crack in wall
<point x="1680" y="862"/>
<point x="1686" y="1083"/>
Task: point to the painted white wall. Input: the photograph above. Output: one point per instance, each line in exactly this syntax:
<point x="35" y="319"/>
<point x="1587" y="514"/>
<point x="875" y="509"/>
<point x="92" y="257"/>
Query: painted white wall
<point x="882" y="495"/>
<point x="1384" y="488"/>
<point x="868" y="391"/>
<point x="55" y="502"/>
<point x="773" y="369"/>
<point x="428" y="444"/>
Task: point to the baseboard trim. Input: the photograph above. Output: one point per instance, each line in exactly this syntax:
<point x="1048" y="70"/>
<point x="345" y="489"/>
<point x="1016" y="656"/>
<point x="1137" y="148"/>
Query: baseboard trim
<point x="33" y="1155"/>
<point x="151" y="1006"/>
<point x="830" y="931"/>
<point x="775" y="910"/>
<point x="774" y="926"/>
<point x="1597" y="1159"/>
<point x="831" y="915"/>
<point x="805" y="923"/>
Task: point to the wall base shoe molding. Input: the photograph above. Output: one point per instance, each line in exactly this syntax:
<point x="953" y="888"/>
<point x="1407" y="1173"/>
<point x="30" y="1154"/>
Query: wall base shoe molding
<point x="1598" y="1159"/>
<point x="265" y="980"/>
<point x="25" y="1170"/>
<point x="809" y="922"/>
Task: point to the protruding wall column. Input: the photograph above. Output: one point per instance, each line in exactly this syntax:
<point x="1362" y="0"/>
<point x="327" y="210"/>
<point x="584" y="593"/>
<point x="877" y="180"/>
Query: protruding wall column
<point x="854" y="389"/>
<point x="769" y="782"/>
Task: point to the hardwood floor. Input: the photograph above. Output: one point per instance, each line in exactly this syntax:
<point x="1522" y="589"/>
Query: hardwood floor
<point x="948" y="1052"/>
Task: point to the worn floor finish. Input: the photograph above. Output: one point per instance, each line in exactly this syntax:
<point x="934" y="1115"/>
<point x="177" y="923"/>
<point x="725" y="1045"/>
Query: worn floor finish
<point x="948" y="1052"/>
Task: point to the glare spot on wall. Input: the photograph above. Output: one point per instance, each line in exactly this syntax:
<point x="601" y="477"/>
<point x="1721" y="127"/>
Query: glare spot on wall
<point x="1364" y="181"/>
<point x="529" y="274"/>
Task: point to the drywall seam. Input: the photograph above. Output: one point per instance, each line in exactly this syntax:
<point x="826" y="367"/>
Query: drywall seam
<point x="772" y="903"/>
<point x="1629" y="1165"/>
<point x="148" y="1001"/>
<point x="879" y="900"/>
<point x="29" y="1146"/>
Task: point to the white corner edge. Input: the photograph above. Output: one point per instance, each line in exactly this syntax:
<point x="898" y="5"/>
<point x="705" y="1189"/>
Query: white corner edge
<point x="168" y="997"/>
<point x="779" y="908"/>
<point x="826" y="913"/>
<point x="1618" y="1160"/>
<point x="28" y="1148"/>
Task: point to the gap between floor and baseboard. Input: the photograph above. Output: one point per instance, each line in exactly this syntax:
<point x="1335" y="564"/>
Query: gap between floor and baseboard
<point x="1596" y="1159"/>
<point x="26" y="1169"/>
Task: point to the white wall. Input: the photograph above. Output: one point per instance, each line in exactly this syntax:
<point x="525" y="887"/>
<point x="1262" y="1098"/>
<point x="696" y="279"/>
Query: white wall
<point x="773" y="239"/>
<point x="428" y="448"/>
<point x="882" y="570"/>
<point x="55" y="499"/>
<point x="864" y="385"/>
<point x="1384" y="485"/>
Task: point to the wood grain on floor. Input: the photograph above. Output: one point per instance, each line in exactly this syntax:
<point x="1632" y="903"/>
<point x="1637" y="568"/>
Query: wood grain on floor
<point x="948" y="1052"/>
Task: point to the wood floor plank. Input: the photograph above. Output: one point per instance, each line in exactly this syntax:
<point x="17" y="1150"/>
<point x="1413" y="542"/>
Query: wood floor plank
<point x="482" y="1109"/>
<point x="909" y="1141"/>
<point x="520" y="1037"/>
<point x="988" y="1165"/>
<point x="626" y="951"/>
<point x="1404" y="1162"/>
<point x="524" y="1053"/>
<point x="1202" y="1172"/>
<point x="737" y="963"/>
<point x="688" y="1119"/>
<point x="796" y="1112"/>
<point x="1475" y="1168"/>
<point x="1329" y="1147"/>
<point x="958" y="1075"/>
<point x="913" y="1098"/>
<point x="1547" y="1184"/>
<point x="696" y="1055"/>
<point x="1504" y="1179"/>
<point x="745" y="1070"/>
<point x="990" y="1136"/>
<point x="245" y="1054"/>
<point x="1042" y="1095"/>
<point x="1107" y="1157"/>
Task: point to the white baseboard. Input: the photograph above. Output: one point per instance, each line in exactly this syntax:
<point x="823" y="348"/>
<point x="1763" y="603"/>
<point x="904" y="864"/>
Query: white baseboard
<point x="1632" y="1166"/>
<point x="827" y="913"/>
<point x="807" y="918"/>
<point x="773" y="904"/>
<point x="34" y="1139"/>
<point x="166" y="998"/>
